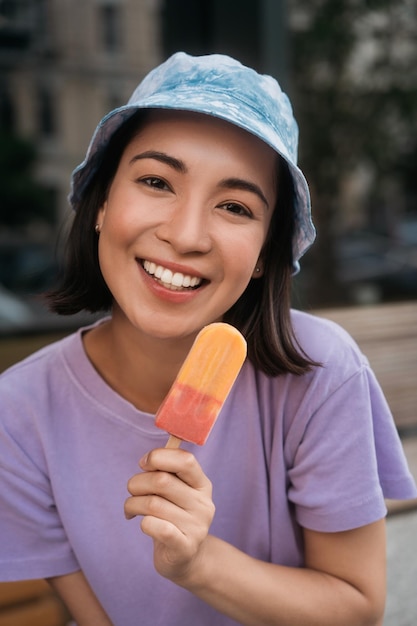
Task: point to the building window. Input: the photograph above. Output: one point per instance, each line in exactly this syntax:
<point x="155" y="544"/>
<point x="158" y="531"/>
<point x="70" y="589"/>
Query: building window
<point x="46" y="112"/>
<point x="7" y="111"/>
<point x="177" y="34"/>
<point x="110" y="25"/>
<point x="13" y="9"/>
<point x="115" y="97"/>
<point x="231" y="27"/>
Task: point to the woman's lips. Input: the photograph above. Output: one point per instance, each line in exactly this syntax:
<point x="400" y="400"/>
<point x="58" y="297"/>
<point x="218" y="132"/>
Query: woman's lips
<point x="170" y="279"/>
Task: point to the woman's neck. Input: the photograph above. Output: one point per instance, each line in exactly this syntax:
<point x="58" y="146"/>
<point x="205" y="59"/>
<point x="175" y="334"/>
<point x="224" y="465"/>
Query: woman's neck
<point x="139" y="368"/>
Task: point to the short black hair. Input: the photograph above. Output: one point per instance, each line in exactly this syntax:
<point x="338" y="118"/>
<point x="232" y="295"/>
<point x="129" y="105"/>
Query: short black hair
<point x="263" y="311"/>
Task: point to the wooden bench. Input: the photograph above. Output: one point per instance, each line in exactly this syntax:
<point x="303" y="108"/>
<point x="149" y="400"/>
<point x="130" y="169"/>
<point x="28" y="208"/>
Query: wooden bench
<point x="30" y="603"/>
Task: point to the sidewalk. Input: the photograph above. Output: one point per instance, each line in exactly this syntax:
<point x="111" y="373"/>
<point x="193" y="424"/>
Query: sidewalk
<point x="410" y="449"/>
<point x="401" y="608"/>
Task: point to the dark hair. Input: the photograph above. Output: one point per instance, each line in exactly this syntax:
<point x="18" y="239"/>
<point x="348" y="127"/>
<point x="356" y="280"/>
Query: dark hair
<point x="262" y="313"/>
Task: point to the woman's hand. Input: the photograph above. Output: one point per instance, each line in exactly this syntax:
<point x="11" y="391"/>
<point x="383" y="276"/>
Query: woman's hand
<point x="342" y="583"/>
<point x="175" y="498"/>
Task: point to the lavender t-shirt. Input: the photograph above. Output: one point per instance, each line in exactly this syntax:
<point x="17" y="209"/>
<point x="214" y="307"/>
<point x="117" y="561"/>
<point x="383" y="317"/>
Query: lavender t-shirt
<point x="319" y="451"/>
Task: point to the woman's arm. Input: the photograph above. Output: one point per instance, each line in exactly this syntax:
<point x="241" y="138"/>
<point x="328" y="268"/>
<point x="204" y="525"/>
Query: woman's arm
<point x="343" y="582"/>
<point x="80" y="599"/>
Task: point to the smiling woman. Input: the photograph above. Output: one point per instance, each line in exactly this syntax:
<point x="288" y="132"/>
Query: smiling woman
<point x="190" y="213"/>
<point x="271" y="344"/>
<point x="191" y="209"/>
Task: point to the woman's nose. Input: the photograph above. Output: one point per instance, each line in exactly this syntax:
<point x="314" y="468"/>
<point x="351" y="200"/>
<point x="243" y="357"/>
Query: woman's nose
<point x="186" y="229"/>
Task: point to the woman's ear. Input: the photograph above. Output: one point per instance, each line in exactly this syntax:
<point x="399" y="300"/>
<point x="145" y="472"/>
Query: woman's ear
<point x="100" y="217"/>
<point x="259" y="269"/>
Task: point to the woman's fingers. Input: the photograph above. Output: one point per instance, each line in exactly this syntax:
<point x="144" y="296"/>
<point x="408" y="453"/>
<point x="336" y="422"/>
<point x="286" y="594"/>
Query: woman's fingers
<point x="176" y="461"/>
<point x="174" y="488"/>
<point x="174" y="498"/>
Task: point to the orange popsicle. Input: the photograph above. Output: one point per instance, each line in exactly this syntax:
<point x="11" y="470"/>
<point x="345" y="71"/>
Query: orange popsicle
<point x="203" y="383"/>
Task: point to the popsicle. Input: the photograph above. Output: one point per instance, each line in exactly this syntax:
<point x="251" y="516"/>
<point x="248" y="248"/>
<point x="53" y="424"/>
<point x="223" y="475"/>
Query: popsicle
<point x="203" y="383"/>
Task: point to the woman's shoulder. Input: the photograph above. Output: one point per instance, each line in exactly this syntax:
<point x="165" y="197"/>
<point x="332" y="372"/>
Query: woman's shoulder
<point x="338" y="357"/>
<point x="49" y="362"/>
<point x="35" y="363"/>
<point x="47" y="358"/>
<point x="326" y="342"/>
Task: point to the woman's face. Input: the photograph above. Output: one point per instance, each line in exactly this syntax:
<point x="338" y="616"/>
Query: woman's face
<point x="184" y="222"/>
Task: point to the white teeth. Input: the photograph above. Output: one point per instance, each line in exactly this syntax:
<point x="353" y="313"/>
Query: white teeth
<point x="166" y="276"/>
<point x="169" y="279"/>
<point x="177" y="279"/>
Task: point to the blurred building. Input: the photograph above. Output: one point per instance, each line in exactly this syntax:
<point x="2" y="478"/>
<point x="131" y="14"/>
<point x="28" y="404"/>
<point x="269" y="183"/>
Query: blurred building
<point x="63" y="65"/>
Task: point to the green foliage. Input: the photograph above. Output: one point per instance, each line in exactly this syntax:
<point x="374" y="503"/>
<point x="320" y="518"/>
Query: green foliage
<point x="355" y="88"/>
<point x="354" y="84"/>
<point x="22" y="200"/>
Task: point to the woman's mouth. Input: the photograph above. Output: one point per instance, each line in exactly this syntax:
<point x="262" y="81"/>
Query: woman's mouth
<point x="175" y="281"/>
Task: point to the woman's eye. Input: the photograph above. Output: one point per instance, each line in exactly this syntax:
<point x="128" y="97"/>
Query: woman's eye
<point x="155" y="182"/>
<point x="237" y="209"/>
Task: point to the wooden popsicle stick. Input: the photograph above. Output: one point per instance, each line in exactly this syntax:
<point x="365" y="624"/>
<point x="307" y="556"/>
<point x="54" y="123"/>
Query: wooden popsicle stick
<point x="173" y="442"/>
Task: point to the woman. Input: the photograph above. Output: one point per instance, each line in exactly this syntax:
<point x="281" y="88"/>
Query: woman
<point x="190" y="209"/>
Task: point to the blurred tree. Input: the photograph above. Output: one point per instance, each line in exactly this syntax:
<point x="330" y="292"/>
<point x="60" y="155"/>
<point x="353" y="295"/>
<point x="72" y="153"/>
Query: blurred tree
<point x="22" y="200"/>
<point x="354" y="79"/>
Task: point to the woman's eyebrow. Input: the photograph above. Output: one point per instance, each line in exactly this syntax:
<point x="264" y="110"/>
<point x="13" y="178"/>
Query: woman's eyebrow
<point x="244" y="185"/>
<point x="176" y="164"/>
<point x="179" y="166"/>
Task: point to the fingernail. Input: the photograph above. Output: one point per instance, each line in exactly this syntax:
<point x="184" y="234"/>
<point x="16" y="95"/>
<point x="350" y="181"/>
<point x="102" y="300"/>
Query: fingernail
<point x="143" y="460"/>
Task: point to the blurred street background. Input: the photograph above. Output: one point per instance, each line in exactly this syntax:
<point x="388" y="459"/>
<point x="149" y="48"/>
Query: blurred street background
<point x="350" y="69"/>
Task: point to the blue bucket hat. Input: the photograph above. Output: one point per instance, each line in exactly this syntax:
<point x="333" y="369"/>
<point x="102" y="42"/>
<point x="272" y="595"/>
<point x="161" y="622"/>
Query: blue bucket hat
<point x="220" y="86"/>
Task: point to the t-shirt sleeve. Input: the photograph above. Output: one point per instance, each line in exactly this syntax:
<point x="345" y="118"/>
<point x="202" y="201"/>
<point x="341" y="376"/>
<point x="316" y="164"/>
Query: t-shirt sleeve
<point x="27" y="506"/>
<point x="346" y="456"/>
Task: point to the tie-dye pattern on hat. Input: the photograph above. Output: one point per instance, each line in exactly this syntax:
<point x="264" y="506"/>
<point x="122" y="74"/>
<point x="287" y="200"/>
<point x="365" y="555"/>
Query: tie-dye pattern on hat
<point x="220" y="86"/>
